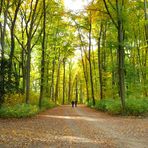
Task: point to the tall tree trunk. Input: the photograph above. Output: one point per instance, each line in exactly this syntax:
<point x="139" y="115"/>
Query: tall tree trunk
<point x="69" y="82"/>
<point x="23" y="57"/>
<point x="57" y="79"/>
<point x="99" y="62"/>
<point x="52" y="81"/>
<point x="146" y="50"/>
<point x="64" y="81"/>
<point x="28" y="66"/>
<point x="76" y="88"/>
<point x="121" y="55"/>
<point x="12" y="42"/>
<point x="113" y="74"/>
<point x="17" y="76"/>
<point x="89" y="60"/>
<point x="2" y="43"/>
<point x="120" y="50"/>
<point x="86" y="78"/>
<point x="95" y="74"/>
<point x="43" y="55"/>
<point x="81" y="92"/>
<point x="28" y="71"/>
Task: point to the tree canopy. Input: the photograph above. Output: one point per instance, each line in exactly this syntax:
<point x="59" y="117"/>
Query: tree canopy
<point x="97" y="53"/>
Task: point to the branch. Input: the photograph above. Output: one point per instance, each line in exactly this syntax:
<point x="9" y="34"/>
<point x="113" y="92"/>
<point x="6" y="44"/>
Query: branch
<point x="112" y="5"/>
<point x="23" y="47"/>
<point x="36" y="40"/>
<point x="110" y="14"/>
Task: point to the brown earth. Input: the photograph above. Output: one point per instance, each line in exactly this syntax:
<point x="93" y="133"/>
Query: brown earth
<point x="67" y="127"/>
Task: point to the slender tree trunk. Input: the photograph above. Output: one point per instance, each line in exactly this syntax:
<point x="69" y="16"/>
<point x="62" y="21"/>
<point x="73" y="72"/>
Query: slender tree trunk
<point x="43" y="56"/>
<point x="146" y="50"/>
<point x="87" y="78"/>
<point x="28" y="66"/>
<point x="113" y="74"/>
<point x="57" y="79"/>
<point x="95" y="75"/>
<point x="17" y="76"/>
<point x="81" y="92"/>
<point x="99" y="62"/>
<point x="64" y="72"/>
<point x="2" y="43"/>
<point x="77" y="88"/>
<point x="52" y="81"/>
<point x="90" y="64"/>
<point x="28" y="71"/>
<point x="69" y="83"/>
<point x="12" y="42"/>
<point x="23" y="61"/>
<point x="121" y="57"/>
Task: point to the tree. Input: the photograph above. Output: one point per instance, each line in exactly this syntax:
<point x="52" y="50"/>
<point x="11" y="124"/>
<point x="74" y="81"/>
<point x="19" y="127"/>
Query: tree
<point x="64" y="83"/>
<point x="119" y="24"/>
<point x="30" y="33"/>
<point x="4" y="6"/>
<point x="12" y="27"/>
<point x="43" y="55"/>
<point x="89" y="59"/>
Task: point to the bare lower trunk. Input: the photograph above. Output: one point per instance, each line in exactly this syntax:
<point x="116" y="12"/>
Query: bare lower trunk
<point x="57" y="80"/>
<point x="52" y="80"/>
<point x="121" y="64"/>
<point x="99" y="62"/>
<point x="64" y="81"/>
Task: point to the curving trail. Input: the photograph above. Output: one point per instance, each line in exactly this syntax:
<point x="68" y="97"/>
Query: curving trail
<point x="67" y="127"/>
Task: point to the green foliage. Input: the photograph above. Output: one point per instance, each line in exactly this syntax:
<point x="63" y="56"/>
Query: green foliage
<point x="90" y="103"/>
<point x="134" y="107"/>
<point x="34" y="98"/>
<point x="47" y="104"/>
<point x="111" y="106"/>
<point x="18" y="111"/>
<point x="13" y="107"/>
<point x="114" y="107"/>
<point x="102" y="104"/>
<point x="13" y="99"/>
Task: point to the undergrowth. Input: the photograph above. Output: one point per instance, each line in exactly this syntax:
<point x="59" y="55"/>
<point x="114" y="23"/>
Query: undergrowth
<point x="14" y="106"/>
<point x="134" y="107"/>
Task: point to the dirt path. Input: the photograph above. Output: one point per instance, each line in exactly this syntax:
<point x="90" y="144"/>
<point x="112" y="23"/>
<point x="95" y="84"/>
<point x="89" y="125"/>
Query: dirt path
<point x="67" y="127"/>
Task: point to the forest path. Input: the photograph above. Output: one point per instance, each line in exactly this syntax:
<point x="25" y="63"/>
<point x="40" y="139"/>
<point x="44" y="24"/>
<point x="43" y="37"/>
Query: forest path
<point x="67" y="127"/>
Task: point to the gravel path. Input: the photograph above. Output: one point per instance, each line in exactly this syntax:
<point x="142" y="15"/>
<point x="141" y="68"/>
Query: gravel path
<point x="67" y="127"/>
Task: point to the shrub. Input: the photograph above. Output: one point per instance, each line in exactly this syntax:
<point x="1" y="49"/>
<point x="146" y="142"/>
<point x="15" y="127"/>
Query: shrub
<point x="47" y="104"/>
<point x="132" y="106"/>
<point x="18" y="111"/>
<point x="101" y="105"/>
<point x="90" y="104"/>
<point x="34" y="98"/>
<point x="114" y="107"/>
<point x="136" y="106"/>
<point x="111" y="106"/>
<point x="13" y="99"/>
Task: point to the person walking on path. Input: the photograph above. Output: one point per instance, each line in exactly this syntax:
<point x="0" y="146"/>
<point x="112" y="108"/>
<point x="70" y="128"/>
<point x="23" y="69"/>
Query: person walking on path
<point x="73" y="103"/>
<point x="76" y="103"/>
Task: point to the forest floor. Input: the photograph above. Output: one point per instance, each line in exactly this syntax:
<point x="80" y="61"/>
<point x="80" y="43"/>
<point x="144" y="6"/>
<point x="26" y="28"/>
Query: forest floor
<point x="67" y="127"/>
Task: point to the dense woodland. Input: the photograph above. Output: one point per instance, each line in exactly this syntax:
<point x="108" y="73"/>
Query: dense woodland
<point x="98" y="53"/>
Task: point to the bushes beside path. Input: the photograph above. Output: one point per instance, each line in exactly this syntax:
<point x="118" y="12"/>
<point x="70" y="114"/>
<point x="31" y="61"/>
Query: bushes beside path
<point x="134" y="107"/>
<point x="13" y="108"/>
